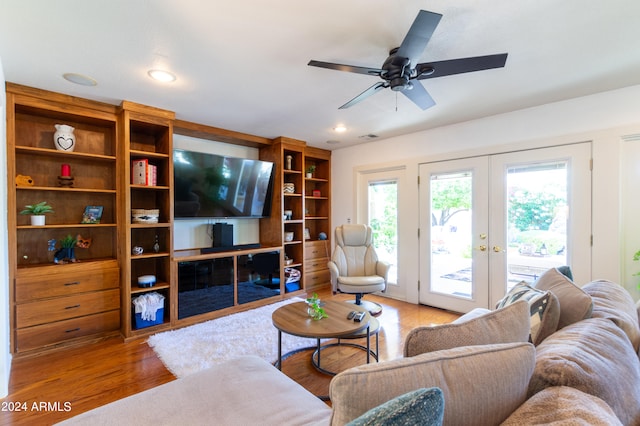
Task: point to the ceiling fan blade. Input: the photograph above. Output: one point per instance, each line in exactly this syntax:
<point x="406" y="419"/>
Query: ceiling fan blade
<point x="419" y="96"/>
<point x="370" y="91"/>
<point x="418" y="36"/>
<point x="347" y="68"/>
<point x="460" y="66"/>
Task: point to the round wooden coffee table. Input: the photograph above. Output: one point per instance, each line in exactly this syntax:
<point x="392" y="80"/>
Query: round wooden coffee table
<point x="293" y="319"/>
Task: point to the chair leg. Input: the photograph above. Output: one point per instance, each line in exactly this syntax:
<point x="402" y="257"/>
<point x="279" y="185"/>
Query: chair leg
<point x="374" y="309"/>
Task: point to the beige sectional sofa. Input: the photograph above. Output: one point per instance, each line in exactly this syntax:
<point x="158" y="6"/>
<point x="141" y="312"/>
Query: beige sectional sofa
<point x="587" y="372"/>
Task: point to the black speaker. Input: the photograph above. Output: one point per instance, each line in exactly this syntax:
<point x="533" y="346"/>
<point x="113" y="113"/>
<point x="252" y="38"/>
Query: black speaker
<point x="222" y="235"/>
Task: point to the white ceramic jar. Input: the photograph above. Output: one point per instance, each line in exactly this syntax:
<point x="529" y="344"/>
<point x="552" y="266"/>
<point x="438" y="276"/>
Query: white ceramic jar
<point x="63" y="138"/>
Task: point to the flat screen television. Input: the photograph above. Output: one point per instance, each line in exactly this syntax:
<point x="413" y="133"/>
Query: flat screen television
<point x="217" y="186"/>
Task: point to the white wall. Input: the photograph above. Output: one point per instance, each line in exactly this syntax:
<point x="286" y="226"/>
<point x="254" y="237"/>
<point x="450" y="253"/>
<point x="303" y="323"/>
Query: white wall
<point x="605" y="119"/>
<point x="5" y="350"/>
<point x="196" y="233"/>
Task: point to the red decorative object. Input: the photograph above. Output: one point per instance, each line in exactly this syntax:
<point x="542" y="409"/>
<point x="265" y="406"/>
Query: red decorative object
<point x="316" y="193"/>
<point x="65" y="171"/>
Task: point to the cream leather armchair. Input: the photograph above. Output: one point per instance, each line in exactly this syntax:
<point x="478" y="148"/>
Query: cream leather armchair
<point x="354" y="266"/>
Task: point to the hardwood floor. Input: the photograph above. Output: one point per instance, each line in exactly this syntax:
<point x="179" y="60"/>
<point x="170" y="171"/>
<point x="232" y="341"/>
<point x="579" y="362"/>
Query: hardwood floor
<point x="48" y="388"/>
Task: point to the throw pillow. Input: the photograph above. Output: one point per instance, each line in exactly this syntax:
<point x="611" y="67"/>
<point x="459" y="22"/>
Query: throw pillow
<point x="482" y="385"/>
<point x="563" y="405"/>
<point x="613" y="302"/>
<point x="423" y="407"/>
<point x="595" y="357"/>
<point x="575" y="303"/>
<point x="544" y="310"/>
<point x="478" y="327"/>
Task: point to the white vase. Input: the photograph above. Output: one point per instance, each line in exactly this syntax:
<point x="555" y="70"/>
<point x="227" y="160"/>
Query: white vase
<point x="63" y="138"/>
<point x="37" y="220"/>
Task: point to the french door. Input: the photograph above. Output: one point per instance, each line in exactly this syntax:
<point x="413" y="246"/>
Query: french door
<point x="487" y="223"/>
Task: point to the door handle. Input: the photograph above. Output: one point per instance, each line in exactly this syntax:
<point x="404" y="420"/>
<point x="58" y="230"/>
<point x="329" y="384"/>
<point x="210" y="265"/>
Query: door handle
<point x="498" y="249"/>
<point x="482" y="248"/>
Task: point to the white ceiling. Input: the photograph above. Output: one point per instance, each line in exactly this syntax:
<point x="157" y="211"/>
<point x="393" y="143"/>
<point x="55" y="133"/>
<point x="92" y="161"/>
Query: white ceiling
<point x="242" y="64"/>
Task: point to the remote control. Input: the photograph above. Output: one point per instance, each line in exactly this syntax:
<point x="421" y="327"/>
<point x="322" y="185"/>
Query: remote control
<point x="359" y="316"/>
<point x="351" y="315"/>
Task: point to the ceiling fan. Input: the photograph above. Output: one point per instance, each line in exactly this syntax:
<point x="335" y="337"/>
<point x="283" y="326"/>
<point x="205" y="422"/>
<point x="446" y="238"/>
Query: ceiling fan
<point x="400" y="68"/>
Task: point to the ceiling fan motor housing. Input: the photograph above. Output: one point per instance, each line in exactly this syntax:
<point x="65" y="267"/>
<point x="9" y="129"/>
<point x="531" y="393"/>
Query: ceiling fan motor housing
<point x="397" y="72"/>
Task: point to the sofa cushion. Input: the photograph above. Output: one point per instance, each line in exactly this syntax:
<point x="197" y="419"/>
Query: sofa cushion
<point x="244" y="390"/>
<point x="479" y="327"/>
<point x="480" y="384"/>
<point x="563" y="405"/>
<point x="595" y="357"/>
<point x="575" y="303"/>
<point x="544" y="309"/>
<point x="612" y="301"/>
<point x="423" y="407"/>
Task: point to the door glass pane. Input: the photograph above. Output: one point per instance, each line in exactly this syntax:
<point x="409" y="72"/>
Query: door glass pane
<point x="537" y="220"/>
<point x="451" y="234"/>
<point x="383" y="219"/>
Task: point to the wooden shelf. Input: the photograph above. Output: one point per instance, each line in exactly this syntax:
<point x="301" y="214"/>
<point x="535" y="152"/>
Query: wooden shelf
<point x="150" y="187"/>
<point x="150" y="136"/>
<point x="69" y="225"/>
<point x="150" y="225"/>
<point x="93" y="280"/>
<point x="134" y="153"/>
<point x="55" y="153"/>
<point x="156" y="286"/>
<point x="61" y="189"/>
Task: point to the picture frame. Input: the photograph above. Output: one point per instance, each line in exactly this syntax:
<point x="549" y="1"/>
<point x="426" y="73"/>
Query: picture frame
<point x="92" y="214"/>
<point x="307" y="234"/>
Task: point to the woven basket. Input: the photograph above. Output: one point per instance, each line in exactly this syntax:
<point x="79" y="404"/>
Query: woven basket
<point x="145" y="215"/>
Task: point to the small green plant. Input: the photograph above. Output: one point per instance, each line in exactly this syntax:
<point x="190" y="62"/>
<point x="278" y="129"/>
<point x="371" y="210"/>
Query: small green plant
<point x="37" y="209"/>
<point x="68" y="242"/>
<point x="636" y="257"/>
<point x="315" y="310"/>
<point x="311" y="169"/>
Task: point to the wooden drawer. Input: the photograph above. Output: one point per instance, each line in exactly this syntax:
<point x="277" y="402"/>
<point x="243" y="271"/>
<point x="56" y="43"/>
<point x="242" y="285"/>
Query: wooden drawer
<point x="62" y="308"/>
<point x="58" y="332"/>
<point x="316" y="249"/>
<point x="65" y="280"/>
<point x="313" y="265"/>
<point x="317" y="279"/>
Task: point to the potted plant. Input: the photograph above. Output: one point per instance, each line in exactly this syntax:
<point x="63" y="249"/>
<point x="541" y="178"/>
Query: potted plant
<point x="67" y="250"/>
<point x="37" y="212"/>
<point x="315" y="309"/>
<point x="310" y="170"/>
<point x="636" y="257"/>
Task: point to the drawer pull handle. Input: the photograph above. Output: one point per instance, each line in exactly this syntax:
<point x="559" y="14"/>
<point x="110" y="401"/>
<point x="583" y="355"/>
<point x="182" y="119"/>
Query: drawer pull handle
<point x="72" y="283"/>
<point x="72" y="307"/>
<point x="72" y="330"/>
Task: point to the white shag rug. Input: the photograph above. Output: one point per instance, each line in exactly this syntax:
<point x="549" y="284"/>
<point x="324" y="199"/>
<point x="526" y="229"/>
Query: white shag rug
<point x="191" y="349"/>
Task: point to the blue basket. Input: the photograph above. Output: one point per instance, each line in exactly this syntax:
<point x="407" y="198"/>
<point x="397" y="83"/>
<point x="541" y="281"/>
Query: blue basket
<point x="140" y="323"/>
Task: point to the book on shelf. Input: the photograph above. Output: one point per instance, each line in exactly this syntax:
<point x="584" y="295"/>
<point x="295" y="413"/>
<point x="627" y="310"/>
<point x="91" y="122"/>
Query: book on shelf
<point x="144" y="173"/>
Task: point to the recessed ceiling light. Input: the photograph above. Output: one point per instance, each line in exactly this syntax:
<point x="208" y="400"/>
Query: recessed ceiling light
<point x="340" y="128"/>
<point x="79" y="79"/>
<point x="160" y="75"/>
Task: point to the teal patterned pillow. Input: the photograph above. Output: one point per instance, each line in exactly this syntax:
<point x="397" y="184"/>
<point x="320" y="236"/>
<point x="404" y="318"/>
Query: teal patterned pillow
<point x="419" y="407"/>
